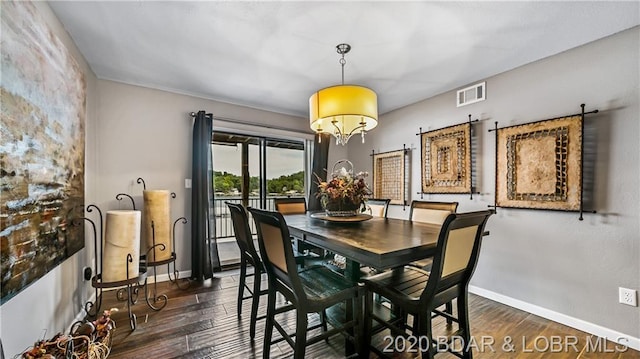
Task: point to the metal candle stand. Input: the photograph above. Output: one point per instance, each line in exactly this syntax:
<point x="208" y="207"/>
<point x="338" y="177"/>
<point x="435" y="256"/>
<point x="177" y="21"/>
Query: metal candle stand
<point x="145" y="263"/>
<point x="132" y="284"/>
<point x="175" y="271"/>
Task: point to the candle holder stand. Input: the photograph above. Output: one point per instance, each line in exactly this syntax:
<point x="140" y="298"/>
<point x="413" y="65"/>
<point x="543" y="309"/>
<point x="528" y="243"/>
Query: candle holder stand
<point x="131" y="284"/>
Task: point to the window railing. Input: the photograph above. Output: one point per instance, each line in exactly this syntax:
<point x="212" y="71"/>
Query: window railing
<point x="224" y="225"/>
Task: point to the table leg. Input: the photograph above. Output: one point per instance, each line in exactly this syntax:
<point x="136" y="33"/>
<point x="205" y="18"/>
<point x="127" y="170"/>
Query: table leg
<point x="351" y="271"/>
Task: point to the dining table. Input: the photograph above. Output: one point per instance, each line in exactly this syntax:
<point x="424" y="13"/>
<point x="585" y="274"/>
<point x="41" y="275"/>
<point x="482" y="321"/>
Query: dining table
<point x="379" y="243"/>
<point x="363" y="240"/>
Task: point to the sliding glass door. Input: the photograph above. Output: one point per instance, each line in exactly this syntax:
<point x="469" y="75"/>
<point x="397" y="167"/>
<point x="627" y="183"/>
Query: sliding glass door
<point x="252" y="170"/>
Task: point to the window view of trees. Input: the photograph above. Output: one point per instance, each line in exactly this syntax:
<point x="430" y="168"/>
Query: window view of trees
<point x="290" y="184"/>
<point x="281" y="165"/>
<point x="228" y="183"/>
<point x="274" y="165"/>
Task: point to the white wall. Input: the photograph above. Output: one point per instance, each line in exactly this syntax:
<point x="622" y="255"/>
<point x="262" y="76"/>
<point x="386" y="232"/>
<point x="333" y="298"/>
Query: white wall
<point x="148" y="133"/>
<point x="571" y="269"/>
<point x="52" y="302"/>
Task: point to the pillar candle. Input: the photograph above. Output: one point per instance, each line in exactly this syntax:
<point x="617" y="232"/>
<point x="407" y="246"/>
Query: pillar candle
<point x="122" y="237"/>
<point x="156" y="209"/>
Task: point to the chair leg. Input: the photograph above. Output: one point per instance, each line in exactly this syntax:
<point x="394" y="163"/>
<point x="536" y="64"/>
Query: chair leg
<point x="424" y="329"/>
<point x="367" y="327"/>
<point x="448" y="308"/>
<point x="323" y="321"/>
<point x="358" y="316"/>
<point x="268" y="330"/>
<point x="254" y="302"/>
<point x="301" y="334"/>
<point x="243" y="277"/>
<point x="400" y="313"/>
<point x="463" y="324"/>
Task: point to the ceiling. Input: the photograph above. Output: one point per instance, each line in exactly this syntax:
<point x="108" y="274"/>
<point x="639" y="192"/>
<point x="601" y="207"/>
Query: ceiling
<point x="274" y="55"/>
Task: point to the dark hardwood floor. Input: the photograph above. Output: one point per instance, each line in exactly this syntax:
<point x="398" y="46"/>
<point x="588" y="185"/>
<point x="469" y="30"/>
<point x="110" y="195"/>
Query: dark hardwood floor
<point x="202" y="322"/>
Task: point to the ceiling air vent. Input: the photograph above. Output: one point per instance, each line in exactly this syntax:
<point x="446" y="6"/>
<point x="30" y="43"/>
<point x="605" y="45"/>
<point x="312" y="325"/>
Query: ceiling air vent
<point x="471" y="94"/>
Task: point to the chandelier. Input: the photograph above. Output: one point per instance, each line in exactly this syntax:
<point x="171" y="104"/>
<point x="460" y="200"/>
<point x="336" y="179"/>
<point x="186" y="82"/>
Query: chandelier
<point x="343" y="110"/>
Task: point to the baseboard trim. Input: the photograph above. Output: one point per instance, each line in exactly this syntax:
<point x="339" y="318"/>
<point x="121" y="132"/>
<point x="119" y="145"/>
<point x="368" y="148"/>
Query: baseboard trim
<point x="150" y="279"/>
<point x="159" y="278"/>
<point x="81" y="314"/>
<point x="165" y="277"/>
<point x="591" y="328"/>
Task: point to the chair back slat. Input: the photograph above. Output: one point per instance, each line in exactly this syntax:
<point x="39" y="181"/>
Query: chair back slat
<point x="378" y="207"/>
<point x="431" y="212"/>
<point x="296" y="205"/>
<point x="434" y="216"/>
<point x="459" y="248"/>
<point x="291" y="208"/>
<point x="376" y="210"/>
<point x="273" y="244"/>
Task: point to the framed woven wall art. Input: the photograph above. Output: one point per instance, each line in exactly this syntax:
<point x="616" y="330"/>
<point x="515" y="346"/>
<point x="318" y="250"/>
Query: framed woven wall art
<point x="538" y="165"/>
<point x="446" y="160"/>
<point x="390" y="177"/>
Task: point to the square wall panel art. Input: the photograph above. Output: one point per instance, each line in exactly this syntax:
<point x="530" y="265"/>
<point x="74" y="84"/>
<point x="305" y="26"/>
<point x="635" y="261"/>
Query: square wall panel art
<point x="446" y="160"/>
<point x="42" y="149"/>
<point x="389" y="176"/>
<point x="538" y="165"/>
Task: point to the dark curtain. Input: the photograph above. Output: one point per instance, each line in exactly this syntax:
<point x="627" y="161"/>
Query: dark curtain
<point x="204" y="250"/>
<point x="318" y="167"/>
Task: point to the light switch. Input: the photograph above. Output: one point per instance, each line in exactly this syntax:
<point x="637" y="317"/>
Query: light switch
<point x="187" y="183"/>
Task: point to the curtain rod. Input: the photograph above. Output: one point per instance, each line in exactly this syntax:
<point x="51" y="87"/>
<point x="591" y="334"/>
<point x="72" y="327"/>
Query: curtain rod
<point x="240" y="122"/>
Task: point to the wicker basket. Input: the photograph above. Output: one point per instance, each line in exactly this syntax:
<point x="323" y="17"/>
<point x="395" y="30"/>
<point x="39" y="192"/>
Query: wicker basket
<point x="85" y="342"/>
<point x="76" y="347"/>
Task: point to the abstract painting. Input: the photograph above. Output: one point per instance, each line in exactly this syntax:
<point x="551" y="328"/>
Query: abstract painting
<point x="446" y="160"/>
<point x="538" y="165"/>
<point x="42" y="149"/>
<point x="389" y="176"/>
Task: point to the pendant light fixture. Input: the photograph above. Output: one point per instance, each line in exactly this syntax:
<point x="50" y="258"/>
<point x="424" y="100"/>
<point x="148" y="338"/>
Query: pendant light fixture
<point x="343" y="110"/>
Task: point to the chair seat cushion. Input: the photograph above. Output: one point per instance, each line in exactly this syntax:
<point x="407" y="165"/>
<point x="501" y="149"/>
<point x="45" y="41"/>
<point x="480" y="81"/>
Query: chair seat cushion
<point x="322" y="285"/>
<point x="400" y="285"/>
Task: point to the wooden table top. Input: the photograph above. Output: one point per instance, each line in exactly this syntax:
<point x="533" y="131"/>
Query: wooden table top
<point x="380" y="243"/>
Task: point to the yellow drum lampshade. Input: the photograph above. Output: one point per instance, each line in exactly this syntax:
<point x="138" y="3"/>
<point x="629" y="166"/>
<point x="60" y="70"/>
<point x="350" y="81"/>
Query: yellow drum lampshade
<point x="343" y="111"/>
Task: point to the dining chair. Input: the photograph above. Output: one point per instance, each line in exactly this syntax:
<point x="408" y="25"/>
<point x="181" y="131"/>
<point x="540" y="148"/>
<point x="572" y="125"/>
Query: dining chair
<point x="248" y="256"/>
<point x="296" y="205"/>
<point x="433" y="213"/>
<point x="311" y="289"/>
<point x="377" y="207"/>
<point x="419" y="293"/>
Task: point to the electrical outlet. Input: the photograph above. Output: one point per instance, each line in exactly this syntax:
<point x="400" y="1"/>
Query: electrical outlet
<point x="86" y="273"/>
<point x="627" y="296"/>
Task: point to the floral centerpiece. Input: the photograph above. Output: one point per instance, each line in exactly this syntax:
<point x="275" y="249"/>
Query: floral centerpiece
<point x="345" y="194"/>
